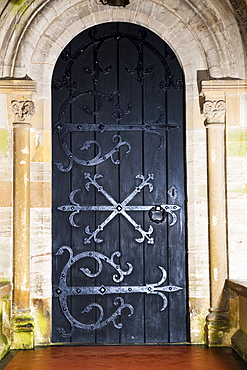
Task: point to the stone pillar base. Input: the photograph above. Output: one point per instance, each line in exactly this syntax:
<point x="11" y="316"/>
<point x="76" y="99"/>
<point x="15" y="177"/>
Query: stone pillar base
<point x="22" y="331"/>
<point x="216" y="329"/>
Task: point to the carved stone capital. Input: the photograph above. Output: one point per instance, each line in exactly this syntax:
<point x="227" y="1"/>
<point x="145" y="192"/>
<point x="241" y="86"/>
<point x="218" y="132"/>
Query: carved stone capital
<point x="23" y="110"/>
<point x="214" y="111"/>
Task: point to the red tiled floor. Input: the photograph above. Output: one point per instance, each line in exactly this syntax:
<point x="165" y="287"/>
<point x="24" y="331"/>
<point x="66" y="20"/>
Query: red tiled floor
<point x="123" y="358"/>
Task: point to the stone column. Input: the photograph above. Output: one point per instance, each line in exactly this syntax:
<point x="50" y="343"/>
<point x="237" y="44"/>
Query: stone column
<point x="214" y="112"/>
<point x="22" y="321"/>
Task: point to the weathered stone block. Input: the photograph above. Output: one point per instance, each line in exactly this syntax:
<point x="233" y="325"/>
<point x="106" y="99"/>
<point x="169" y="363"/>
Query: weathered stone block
<point x="5" y="289"/>
<point x="239" y="343"/>
<point x="22" y="327"/>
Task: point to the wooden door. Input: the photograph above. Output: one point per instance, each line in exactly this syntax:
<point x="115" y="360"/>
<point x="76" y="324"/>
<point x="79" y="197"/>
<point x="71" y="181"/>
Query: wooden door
<point x="119" y="246"/>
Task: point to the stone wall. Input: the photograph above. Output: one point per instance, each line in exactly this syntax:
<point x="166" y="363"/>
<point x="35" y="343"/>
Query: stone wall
<point x="6" y="174"/>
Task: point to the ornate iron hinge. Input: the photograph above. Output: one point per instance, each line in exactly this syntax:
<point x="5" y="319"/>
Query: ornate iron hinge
<point x="62" y="291"/>
<point x="63" y="128"/>
<point x="117" y="208"/>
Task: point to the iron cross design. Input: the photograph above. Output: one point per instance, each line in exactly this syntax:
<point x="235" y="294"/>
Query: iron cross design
<point x="119" y="208"/>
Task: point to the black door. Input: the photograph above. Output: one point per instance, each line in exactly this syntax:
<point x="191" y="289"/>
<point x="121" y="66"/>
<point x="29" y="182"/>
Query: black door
<point x="119" y="249"/>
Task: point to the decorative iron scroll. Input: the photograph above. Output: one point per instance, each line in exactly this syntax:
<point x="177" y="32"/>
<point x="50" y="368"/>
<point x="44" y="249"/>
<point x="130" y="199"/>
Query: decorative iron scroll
<point x="63" y="128"/>
<point x="116" y="208"/>
<point x="140" y="43"/>
<point x="63" y="291"/>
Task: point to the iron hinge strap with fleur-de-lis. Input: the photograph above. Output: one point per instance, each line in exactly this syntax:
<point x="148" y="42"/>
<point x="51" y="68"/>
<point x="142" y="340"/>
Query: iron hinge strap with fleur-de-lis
<point x="118" y="208"/>
<point x="63" y="128"/>
<point x="62" y="291"/>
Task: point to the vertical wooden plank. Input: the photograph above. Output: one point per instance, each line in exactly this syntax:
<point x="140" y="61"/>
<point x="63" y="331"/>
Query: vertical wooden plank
<point x="131" y="165"/>
<point x="59" y="219"/>
<point x="81" y="116"/>
<point x="107" y="84"/>
<point x="155" y="162"/>
<point x="59" y="223"/>
<point x="177" y="233"/>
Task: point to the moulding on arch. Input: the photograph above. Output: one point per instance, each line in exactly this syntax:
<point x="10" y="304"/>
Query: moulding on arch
<point x="202" y="33"/>
<point x="17" y="86"/>
<point x="223" y="85"/>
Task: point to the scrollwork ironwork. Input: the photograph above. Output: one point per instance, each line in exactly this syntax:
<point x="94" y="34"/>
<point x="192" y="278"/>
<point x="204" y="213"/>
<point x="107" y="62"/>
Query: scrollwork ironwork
<point x="116" y="208"/>
<point x="97" y="159"/>
<point x="63" y="291"/>
<point x="139" y="43"/>
<point x="97" y="69"/>
<point x="63" y="128"/>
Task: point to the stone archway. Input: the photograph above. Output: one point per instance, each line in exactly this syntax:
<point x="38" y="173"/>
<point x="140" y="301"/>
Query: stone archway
<point x="201" y="37"/>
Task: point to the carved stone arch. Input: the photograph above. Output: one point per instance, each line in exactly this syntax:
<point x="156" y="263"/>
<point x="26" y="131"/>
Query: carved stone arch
<point x="204" y="36"/>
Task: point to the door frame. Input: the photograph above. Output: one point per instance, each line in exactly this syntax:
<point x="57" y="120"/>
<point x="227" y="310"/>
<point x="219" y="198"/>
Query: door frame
<point x="175" y="85"/>
<point x="38" y="61"/>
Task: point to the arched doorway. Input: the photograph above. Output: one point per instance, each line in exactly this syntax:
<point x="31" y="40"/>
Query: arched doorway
<point x="119" y="241"/>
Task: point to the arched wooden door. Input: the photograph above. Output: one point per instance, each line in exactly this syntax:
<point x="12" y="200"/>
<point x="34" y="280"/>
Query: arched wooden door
<point x="119" y="246"/>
